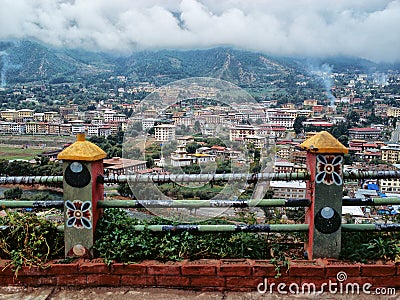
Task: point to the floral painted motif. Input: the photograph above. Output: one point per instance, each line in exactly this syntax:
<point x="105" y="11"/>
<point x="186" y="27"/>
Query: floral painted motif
<point x="79" y="214"/>
<point x="329" y="169"/>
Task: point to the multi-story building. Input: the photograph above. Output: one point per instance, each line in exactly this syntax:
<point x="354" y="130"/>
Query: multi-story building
<point x="391" y="153"/>
<point x="50" y="116"/>
<point x="164" y="132"/>
<point x="390" y="185"/>
<point x="288" y="189"/>
<point x="9" y="114"/>
<point x="123" y="166"/>
<point x="256" y="140"/>
<point x="393" y="112"/>
<point x="104" y="131"/>
<point x="283" y="167"/>
<point x="65" y="129"/>
<point x="54" y="128"/>
<point x="68" y="110"/>
<point x="180" y="157"/>
<point x="364" y="133"/>
<point x="109" y="115"/>
<point x="239" y="132"/>
<point x="310" y="102"/>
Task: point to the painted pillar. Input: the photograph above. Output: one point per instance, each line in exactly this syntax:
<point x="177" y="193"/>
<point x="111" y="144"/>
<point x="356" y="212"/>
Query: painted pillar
<point x="325" y="190"/>
<point x="82" y="164"/>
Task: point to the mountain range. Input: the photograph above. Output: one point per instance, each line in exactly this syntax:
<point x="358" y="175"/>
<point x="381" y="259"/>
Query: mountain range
<point x="28" y="61"/>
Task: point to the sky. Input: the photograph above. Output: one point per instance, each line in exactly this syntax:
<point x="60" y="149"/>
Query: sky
<point x="308" y="28"/>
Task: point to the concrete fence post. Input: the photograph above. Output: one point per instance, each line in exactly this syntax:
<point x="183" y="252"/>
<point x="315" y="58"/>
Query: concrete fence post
<point x="325" y="155"/>
<point x="82" y="165"/>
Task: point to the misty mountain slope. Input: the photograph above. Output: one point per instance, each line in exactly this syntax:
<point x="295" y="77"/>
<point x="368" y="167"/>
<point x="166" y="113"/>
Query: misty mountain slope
<point x="240" y="67"/>
<point x="26" y="61"/>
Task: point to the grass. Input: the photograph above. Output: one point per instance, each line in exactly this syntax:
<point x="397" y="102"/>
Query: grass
<point x="49" y="140"/>
<point x="11" y="152"/>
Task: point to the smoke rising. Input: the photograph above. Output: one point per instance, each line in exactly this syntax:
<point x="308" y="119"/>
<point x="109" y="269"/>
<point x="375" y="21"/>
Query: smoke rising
<point x="367" y="29"/>
<point x="4" y="68"/>
<point x="325" y="73"/>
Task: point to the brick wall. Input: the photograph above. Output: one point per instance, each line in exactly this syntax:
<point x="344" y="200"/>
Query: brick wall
<point x="232" y="275"/>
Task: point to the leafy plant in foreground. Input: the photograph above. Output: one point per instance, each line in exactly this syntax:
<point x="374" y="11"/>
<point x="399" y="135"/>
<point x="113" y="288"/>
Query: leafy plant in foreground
<point x="28" y="240"/>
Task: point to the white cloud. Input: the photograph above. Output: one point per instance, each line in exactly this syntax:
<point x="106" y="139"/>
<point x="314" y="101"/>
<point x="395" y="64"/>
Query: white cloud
<point x="366" y="28"/>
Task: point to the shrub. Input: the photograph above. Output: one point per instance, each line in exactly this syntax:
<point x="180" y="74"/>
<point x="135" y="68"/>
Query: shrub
<point x="116" y="240"/>
<point x="28" y="240"/>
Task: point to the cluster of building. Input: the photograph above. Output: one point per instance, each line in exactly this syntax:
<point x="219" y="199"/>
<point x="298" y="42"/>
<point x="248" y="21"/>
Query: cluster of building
<point x="68" y="121"/>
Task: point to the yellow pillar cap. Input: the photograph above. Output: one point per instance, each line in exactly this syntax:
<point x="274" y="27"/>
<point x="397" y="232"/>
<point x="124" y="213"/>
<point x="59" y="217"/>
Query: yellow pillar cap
<point x="324" y="142"/>
<point x="82" y="150"/>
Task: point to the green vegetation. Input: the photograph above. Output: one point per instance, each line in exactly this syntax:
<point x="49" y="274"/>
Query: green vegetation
<point x="366" y="246"/>
<point x="29" y="240"/>
<point x="43" y="167"/>
<point x="13" y="193"/>
<point x="112" y="145"/>
<point x="116" y="240"/>
<point x="9" y="152"/>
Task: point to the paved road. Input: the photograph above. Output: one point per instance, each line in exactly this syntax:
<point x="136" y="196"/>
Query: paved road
<point x="49" y="293"/>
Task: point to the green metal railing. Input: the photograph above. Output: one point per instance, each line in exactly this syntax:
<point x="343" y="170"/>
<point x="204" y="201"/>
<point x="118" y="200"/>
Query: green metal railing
<point x="199" y="203"/>
<point x="249" y="177"/>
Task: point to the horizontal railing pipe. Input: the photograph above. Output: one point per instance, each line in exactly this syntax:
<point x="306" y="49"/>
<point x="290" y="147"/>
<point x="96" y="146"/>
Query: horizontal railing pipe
<point x="225" y="228"/>
<point x="252" y="177"/>
<point x="249" y="177"/>
<point x="30" y="179"/>
<point x="31" y="204"/>
<point x="371" y="227"/>
<point x="358" y="174"/>
<point x="370" y="201"/>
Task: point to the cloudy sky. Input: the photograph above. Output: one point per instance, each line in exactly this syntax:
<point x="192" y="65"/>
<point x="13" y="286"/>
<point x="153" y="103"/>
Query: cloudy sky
<point x="365" y="28"/>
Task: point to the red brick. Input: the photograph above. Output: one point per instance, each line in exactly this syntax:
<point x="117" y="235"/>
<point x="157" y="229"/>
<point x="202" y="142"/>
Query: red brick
<point x="8" y="280"/>
<point x="37" y="280"/>
<point x="243" y="282"/>
<point x="163" y="269"/>
<point x="234" y="267"/>
<point x="263" y="268"/>
<point x="103" y="280"/>
<point x="62" y="269"/>
<point x="207" y="281"/>
<point x="31" y="271"/>
<point x="65" y="280"/>
<point x="384" y="281"/>
<point x="138" y="280"/>
<point x="306" y="270"/>
<point x="93" y="268"/>
<point x="172" y="281"/>
<point x="350" y="270"/>
<point x="129" y="269"/>
<point x="6" y="271"/>
<point x="198" y="269"/>
<point x="398" y="270"/>
<point x="378" y="270"/>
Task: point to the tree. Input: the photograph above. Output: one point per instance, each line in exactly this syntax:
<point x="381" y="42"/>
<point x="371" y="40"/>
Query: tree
<point x="197" y="127"/>
<point x="14" y="193"/>
<point x="352" y="117"/>
<point x="192" y="147"/>
<point x="149" y="162"/>
<point x="124" y="190"/>
<point x="298" y="124"/>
